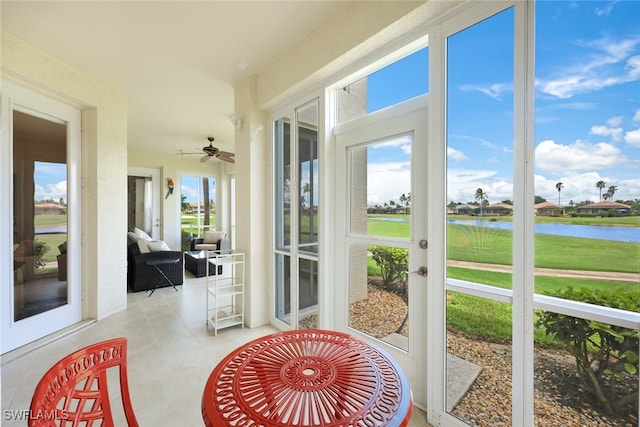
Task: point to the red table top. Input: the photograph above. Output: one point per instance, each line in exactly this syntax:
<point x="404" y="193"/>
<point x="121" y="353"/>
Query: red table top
<point x="307" y="378"/>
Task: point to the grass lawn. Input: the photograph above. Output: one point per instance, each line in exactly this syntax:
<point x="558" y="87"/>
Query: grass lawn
<point x="494" y="246"/>
<point x="492" y="320"/>
<point x="189" y="222"/>
<point x="48" y="220"/>
<point x="52" y="240"/>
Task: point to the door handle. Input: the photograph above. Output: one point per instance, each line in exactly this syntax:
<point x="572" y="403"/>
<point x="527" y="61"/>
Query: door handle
<point x="421" y="271"/>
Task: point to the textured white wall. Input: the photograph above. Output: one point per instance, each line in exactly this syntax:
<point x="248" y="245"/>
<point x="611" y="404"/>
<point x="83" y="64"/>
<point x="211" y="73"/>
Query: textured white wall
<point x="104" y="154"/>
<point x="253" y="217"/>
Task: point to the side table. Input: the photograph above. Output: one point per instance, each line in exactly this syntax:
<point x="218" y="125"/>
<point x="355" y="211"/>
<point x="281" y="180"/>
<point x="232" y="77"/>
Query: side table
<point x="195" y="262"/>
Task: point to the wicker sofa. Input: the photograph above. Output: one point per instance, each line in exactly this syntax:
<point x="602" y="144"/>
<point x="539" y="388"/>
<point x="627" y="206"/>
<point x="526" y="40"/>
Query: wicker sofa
<point x="141" y="276"/>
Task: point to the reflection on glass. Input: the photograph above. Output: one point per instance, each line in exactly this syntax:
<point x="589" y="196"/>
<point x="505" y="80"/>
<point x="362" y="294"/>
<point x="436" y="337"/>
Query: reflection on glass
<point x="40" y="215"/>
<point x="307" y="119"/>
<point x="283" y="288"/>
<point x="378" y="292"/>
<point x="478" y="360"/>
<point x="379" y="168"/>
<point x="282" y="146"/>
<point x="308" y="294"/>
<point x="140" y="207"/>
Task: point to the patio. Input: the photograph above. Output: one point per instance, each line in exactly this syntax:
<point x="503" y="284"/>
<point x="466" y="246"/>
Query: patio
<point x="171" y="354"/>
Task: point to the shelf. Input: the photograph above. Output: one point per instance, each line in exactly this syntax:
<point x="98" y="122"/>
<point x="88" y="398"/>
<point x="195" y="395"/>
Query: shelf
<point x="225" y="290"/>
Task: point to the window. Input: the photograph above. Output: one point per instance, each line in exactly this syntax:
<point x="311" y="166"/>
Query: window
<point x="400" y="81"/>
<point x="533" y="257"/>
<point x="198" y="206"/>
<point x="586" y="200"/>
<point x="480" y="201"/>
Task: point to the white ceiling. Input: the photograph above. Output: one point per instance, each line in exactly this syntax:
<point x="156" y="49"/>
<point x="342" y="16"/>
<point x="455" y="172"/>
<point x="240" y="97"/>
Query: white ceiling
<point x="176" y="61"/>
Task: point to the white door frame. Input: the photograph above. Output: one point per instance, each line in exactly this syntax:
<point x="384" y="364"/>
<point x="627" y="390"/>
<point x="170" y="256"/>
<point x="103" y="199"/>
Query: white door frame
<point x="16" y="334"/>
<point x="410" y="116"/>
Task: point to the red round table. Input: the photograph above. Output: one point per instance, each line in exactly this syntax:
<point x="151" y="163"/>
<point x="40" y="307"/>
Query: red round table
<point x="307" y="378"/>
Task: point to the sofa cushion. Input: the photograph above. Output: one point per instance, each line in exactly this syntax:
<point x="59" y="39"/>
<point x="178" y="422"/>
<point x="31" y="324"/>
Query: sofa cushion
<point x="142" y="234"/>
<point x="213" y="236"/>
<point x="206" y="247"/>
<point x="143" y="246"/>
<point x="157" y="246"/>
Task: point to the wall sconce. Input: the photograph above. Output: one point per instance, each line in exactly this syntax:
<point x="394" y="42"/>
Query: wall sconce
<point x="236" y="121"/>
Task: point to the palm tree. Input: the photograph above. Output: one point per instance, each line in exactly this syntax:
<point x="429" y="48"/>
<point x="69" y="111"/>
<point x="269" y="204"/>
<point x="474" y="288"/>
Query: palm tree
<point x="601" y="185"/>
<point x="481" y="196"/>
<point x="559" y="187"/>
<point x="612" y="190"/>
<point x="206" y="199"/>
<point x="403" y="199"/>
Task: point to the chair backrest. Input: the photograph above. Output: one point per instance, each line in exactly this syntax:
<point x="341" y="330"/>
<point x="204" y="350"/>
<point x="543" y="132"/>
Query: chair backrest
<point x="74" y="391"/>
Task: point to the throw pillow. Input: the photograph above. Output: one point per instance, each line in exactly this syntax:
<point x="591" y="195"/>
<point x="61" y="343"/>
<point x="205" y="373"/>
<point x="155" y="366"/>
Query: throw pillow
<point x="213" y="236"/>
<point x="157" y="246"/>
<point x="142" y="234"/>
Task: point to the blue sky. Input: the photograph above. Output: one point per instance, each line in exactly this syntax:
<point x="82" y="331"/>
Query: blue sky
<point x="587" y="119"/>
<point x="191" y="186"/>
<point x="50" y="181"/>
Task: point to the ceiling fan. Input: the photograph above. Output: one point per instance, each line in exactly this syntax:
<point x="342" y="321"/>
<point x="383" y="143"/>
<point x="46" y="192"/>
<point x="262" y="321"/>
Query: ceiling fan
<point x="211" y="151"/>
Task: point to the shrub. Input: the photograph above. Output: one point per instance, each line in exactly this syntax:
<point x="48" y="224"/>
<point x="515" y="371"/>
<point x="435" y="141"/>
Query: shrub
<point x="393" y="263"/>
<point x="604" y="354"/>
<point x="40" y="248"/>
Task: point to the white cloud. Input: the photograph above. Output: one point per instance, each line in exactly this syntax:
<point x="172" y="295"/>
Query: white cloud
<point x="54" y="191"/>
<point x="633" y="65"/>
<point x="577" y="156"/>
<point x="387" y="181"/>
<point x="454" y="154"/>
<point x="462" y="185"/>
<point x="190" y="192"/>
<point x="472" y="140"/>
<point x="604" y="11"/>
<point x="580" y="187"/>
<point x="494" y="91"/>
<point x="595" y="73"/>
<point x="612" y="128"/>
<point x="633" y="137"/>
<point x="399" y="141"/>
<point x="636" y="116"/>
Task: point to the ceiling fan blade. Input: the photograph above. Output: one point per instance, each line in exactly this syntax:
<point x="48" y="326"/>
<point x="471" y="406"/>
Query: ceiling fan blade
<point x="204" y="158"/>
<point x="226" y="158"/>
<point x="226" y="153"/>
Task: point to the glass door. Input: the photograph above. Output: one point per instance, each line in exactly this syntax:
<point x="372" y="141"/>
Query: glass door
<point x="43" y="143"/>
<point x="381" y="274"/>
<point x="198" y="195"/>
<point x="296" y="202"/>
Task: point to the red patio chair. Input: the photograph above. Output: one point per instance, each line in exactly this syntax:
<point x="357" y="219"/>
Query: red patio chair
<point x="74" y="391"/>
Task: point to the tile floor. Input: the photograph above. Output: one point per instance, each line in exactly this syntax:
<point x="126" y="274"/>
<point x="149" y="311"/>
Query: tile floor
<point x="171" y="353"/>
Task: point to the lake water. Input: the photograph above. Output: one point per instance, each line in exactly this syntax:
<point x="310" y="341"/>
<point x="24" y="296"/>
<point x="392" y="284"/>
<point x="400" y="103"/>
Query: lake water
<point x="600" y="232"/>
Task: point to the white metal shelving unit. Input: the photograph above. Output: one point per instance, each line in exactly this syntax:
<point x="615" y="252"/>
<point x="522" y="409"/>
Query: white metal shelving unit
<point x="225" y="290"/>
